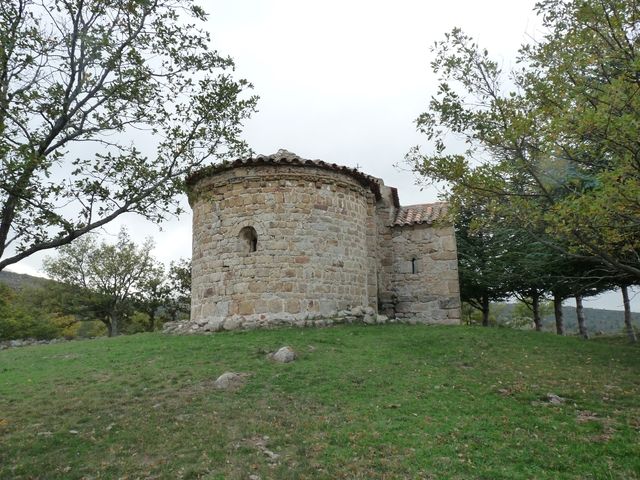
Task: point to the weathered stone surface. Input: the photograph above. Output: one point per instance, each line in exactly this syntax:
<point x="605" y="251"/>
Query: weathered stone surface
<point x="369" y="319"/>
<point x="327" y="250"/>
<point x="230" y="381"/>
<point x="232" y="323"/>
<point x="214" y="325"/>
<point x="283" y="355"/>
<point x="355" y="315"/>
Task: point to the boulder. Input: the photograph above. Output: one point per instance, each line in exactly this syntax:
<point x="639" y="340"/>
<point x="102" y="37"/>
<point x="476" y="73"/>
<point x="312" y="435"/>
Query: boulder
<point x="213" y="325"/>
<point x="283" y="355"/>
<point x="232" y="323"/>
<point x="230" y="381"/>
<point x="369" y="319"/>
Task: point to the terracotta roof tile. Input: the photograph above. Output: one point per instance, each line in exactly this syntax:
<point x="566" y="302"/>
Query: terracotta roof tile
<point x="424" y="213"/>
<point x="284" y="157"/>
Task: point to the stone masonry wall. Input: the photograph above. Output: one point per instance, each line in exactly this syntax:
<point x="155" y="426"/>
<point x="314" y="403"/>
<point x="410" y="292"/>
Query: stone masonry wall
<point x="311" y="260"/>
<point x="384" y="216"/>
<point x="425" y="274"/>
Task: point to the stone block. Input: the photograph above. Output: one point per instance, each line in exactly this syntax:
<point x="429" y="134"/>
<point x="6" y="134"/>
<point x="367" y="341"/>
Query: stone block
<point x="444" y="255"/>
<point x="293" y="306"/>
<point x="449" y="243"/>
<point x="246" y="307"/>
<point x="233" y="323"/>
<point x="276" y="305"/>
<point x="214" y="325"/>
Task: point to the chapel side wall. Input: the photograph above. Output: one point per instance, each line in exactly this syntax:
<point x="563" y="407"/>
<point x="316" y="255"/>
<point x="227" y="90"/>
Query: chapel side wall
<point x="385" y="214"/>
<point x="372" y="253"/>
<point x="312" y="255"/>
<point x="432" y="293"/>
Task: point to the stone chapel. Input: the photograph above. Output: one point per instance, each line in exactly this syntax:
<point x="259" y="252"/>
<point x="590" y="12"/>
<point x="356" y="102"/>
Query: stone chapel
<point x="281" y="240"/>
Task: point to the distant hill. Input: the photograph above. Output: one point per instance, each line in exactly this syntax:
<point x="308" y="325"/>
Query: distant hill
<point x="598" y="320"/>
<point x="605" y="321"/>
<point x="18" y="281"/>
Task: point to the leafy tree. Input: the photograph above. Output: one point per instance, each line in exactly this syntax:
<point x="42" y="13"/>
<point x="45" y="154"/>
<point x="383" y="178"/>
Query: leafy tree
<point x="77" y="77"/>
<point x="554" y="149"/>
<point x="109" y="276"/>
<point x="179" y="301"/>
<point x="498" y="260"/>
<point x="153" y="293"/>
<point x="482" y="264"/>
<point x="165" y="296"/>
<point x="524" y="312"/>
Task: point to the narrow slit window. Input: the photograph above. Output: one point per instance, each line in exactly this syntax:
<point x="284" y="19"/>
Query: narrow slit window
<point x="248" y="240"/>
<point x="414" y="265"/>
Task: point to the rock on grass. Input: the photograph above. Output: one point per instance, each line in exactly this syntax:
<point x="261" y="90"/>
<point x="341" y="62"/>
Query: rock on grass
<point x="230" y="381"/>
<point x="283" y="355"/>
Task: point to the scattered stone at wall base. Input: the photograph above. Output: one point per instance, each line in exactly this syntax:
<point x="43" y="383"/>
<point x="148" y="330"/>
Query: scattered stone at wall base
<point x="365" y="315"/>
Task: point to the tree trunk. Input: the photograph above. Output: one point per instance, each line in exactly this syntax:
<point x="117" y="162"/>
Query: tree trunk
<point x="485" y="311"/>
<point x="109" y="327"/>
<point x="535" y="305"/>
<point x="113" y="322"/>
<point x="627" y="315"/>
<point x="582" y="327"/>
<point x="557" y="310"/>
<point x="152" y="322"/>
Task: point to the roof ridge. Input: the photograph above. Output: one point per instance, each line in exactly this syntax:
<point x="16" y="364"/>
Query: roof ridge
<point x="285" y="157"/>
<point x="439" y="202"/>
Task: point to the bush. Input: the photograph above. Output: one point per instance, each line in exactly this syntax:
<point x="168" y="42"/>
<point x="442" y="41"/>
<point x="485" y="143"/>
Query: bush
<point x="22" y="316"/>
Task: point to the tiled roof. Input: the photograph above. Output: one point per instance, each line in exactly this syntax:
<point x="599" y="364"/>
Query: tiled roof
<point x="284" y="157"/>
<point x="425" y="213"/>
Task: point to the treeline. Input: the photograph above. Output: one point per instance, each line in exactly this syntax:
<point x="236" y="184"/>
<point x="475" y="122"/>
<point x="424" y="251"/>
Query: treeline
<point x="545" y="179"/>
<point x="519" y="315"/>
<point x="97" y="289"/>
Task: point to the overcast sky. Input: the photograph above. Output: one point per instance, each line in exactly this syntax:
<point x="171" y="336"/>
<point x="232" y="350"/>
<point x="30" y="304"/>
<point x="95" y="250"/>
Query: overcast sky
<point x="343" y="81"/>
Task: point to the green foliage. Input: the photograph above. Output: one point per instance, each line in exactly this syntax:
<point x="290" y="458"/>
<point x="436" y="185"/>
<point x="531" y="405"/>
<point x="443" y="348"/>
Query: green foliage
<point x="106" y="277"/>
<point x="557" y="154"/>
<point x="91" y="329"/>
<point x="77" y="79"/>
<point x="522" y="314"/>
<point x="22" y="316"/>
<point x="138" y="322"/>
<point x="481" y="260"/>
<point x="164" y="296"/>
<point x="384" y="402"/>
<point x="472" y="315"/>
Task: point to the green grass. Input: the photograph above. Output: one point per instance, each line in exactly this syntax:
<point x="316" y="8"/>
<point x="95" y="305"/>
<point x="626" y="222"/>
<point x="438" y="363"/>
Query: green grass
<point x="383" y="402"/>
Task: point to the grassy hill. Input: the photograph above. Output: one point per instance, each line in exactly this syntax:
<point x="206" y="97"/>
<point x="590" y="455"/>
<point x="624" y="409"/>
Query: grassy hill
<point x="384" y="402"/>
